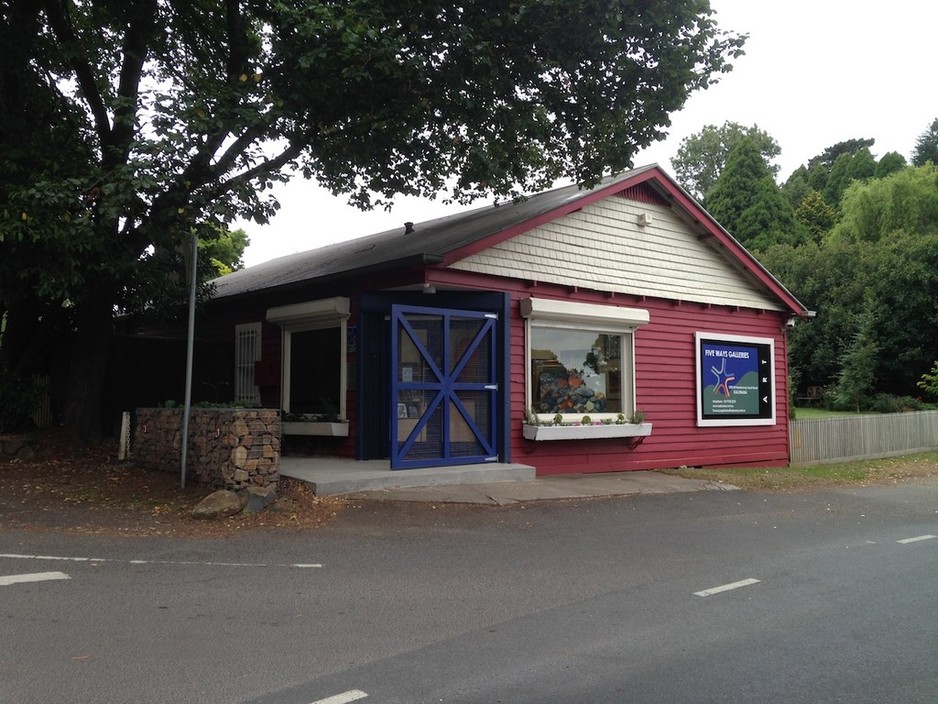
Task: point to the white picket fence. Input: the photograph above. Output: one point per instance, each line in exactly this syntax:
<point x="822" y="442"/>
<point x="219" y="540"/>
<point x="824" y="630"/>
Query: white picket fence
<point x="863" y="437"/>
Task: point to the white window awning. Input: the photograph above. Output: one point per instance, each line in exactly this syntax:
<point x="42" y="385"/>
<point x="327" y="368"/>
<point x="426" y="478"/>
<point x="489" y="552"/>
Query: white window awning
<point x="602" y="317"/>
<point x="325" y="309"/>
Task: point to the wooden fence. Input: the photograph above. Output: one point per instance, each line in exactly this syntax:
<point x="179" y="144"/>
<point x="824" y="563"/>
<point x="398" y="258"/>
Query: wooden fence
<point x="861" y="437"/>
<point x="42" y="416"/>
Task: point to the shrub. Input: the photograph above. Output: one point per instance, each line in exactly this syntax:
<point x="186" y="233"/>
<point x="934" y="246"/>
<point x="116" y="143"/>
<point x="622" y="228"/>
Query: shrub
<point x="887" y="403"/>
<point x="909" y="403"/>
<point x="929" y="381"/>
<point x="21" y="398"/>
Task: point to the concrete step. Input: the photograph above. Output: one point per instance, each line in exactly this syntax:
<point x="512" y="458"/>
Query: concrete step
<point x="332" y="476"/>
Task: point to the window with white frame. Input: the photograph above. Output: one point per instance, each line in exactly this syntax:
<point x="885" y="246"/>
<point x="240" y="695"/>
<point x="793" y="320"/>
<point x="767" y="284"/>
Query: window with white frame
<point x="580" y="358"/>
<point x="315" y="370"/>
<point x="247" y="352"/>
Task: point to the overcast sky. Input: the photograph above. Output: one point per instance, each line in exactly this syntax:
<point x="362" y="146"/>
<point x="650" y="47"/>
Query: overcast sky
<point x="815" y="72"/>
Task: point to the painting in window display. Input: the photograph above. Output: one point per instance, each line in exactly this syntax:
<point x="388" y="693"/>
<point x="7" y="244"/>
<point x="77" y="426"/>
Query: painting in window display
<point x="576" y="371"/>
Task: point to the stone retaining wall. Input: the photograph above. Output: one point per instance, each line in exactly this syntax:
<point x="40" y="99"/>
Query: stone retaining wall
<point x="229" y="448"/>
<point x="21" y="447"/>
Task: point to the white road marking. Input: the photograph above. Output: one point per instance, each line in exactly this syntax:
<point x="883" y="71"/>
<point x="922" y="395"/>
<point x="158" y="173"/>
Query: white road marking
<point x="353" y="695"/>
<point x="157" y="562"/>
<point x="727" y="587"/>
<point x="34" y="577"/>
<point x="917" y="539"/>
<point x="52" y="557"/>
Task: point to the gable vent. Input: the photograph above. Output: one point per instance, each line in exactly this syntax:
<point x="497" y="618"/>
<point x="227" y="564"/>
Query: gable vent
<point x="643" y="193"/>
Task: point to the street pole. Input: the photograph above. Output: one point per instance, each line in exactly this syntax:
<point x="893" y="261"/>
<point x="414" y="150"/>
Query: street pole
<point x="190" y="340"/>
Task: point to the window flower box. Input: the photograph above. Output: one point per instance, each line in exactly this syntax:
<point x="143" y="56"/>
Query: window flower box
<point x="325" y="428"/>
<point x="595" y="431"/>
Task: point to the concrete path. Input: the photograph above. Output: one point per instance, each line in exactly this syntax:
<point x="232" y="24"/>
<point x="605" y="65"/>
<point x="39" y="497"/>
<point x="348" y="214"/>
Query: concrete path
<point x="559" y="487"/>
<point x="493" y="483"/>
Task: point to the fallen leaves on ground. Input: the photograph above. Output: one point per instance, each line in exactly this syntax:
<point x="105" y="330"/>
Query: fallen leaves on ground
<point x="85" y="489"/>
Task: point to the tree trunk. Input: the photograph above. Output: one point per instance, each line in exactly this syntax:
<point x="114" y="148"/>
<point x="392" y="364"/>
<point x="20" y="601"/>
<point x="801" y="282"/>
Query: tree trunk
<point x="87" y="367"/>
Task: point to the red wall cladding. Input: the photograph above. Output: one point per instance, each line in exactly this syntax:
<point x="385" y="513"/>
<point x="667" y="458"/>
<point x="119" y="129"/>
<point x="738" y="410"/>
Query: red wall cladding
<point x="665" y="390"/>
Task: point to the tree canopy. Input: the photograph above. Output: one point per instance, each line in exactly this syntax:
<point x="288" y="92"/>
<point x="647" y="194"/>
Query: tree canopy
<point x="835" y="151"/>
<point x="701" y="157"/>
<point x="830" y="172"/>
<point x="872" y="280"/>
<point x="926" y="146"/>
<point x="906" y="201"/>
<point x="128" y="125"/>
<point x="226" y="251"/>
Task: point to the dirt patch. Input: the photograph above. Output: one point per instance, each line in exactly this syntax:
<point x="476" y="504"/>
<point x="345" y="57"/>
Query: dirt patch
<point x="54" y="484"/>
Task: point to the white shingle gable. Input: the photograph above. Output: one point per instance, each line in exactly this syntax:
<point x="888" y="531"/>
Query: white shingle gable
<point x="602" y="247"/>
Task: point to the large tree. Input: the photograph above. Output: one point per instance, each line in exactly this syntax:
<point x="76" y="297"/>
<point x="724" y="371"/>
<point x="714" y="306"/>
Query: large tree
<point x="179" y="115"/>
<point x="890" y="163"/>
<point x="847" y="168"/>
<point x="748" y="203"/>
<point x="701" y="157"/>
<point x="816" y="214"/>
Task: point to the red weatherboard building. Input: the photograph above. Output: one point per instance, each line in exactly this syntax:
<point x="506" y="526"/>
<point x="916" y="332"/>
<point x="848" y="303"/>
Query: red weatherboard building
<point x="598" y="330"/>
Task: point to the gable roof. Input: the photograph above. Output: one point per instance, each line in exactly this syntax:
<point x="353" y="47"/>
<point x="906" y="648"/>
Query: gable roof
<point x="448" y="239"/>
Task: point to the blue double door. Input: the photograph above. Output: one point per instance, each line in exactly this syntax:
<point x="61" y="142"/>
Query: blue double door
<point x="444" y="387"/>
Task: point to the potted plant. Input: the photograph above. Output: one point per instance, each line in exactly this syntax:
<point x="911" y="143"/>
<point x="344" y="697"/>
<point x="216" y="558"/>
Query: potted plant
<point x="586" y="427"/>
<point x="313" y="424"/>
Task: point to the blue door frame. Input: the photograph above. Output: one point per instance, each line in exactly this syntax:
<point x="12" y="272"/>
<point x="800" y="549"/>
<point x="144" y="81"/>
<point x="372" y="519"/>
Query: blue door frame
<point x="444" y="387"/>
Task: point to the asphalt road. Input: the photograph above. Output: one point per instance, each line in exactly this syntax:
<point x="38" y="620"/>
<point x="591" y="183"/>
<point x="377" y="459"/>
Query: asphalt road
<point x="707" y="597"/>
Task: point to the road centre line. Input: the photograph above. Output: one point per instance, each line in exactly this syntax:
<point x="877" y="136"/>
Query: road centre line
<point x="353" y="695"/>
<point x="299" y="565"/>
<point x="727" y="587"/>
<point x="7" y="580"/>
<point x="916" y="539"/>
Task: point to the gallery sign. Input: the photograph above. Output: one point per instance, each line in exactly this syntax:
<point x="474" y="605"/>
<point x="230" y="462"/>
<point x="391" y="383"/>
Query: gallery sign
<point x="735" y="380"/>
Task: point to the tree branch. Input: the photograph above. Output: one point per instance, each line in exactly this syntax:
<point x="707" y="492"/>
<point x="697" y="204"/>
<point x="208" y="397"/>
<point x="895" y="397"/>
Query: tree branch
<point x="226" y="160"/>
<point x="265" y="167"/>
<point x="237" y="40"/>
<point x="200" y="171"/>
<point x="62" y="27"/>
<point x="136" y="43"/>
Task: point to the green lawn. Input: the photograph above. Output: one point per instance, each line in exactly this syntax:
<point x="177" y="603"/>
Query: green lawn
<point x="811" y="413"/>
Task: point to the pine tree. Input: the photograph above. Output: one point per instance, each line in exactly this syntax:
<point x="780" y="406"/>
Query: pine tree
<point x="746" y="201"/>
<point x="926" y="147"/>
<point x="858" y="371"/>
<point x="816" y="214"/>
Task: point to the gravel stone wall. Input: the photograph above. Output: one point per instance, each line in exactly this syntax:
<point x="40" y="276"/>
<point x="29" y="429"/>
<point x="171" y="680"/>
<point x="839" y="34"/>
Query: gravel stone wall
<point x="229" y="448"/>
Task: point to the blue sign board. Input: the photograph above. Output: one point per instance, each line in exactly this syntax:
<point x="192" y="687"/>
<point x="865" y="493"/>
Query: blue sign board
<point x="735" y="380"/>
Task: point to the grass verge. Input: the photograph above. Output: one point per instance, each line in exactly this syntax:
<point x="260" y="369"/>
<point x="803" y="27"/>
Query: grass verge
<point x="890" y="469"/>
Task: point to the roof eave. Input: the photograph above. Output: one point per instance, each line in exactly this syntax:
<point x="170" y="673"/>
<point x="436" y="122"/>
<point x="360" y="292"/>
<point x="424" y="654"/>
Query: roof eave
<point x="401" y="264"/>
